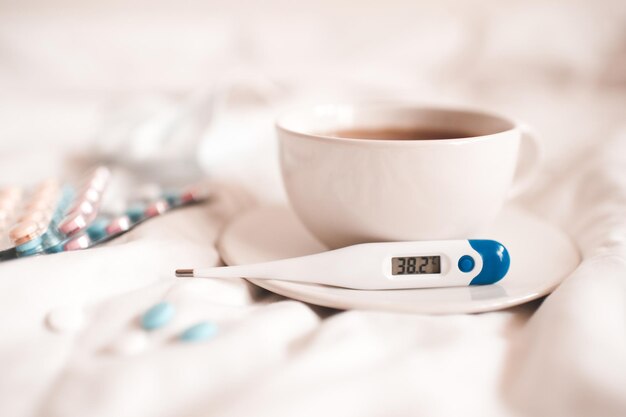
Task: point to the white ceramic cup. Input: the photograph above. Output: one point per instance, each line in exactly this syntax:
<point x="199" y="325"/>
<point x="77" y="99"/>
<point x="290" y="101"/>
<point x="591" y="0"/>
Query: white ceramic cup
<point x="349" y="191"/>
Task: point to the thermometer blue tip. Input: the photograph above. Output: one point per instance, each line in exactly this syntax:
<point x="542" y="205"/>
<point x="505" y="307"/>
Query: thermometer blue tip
<point x="496" y="261"/>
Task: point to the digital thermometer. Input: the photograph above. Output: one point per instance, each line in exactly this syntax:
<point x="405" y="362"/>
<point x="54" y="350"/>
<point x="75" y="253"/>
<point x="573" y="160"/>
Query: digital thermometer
<point x="382" y="266"/>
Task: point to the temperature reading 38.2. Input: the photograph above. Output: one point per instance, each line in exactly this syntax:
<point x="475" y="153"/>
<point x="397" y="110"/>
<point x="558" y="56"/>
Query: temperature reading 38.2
<point x="411" y="265"/>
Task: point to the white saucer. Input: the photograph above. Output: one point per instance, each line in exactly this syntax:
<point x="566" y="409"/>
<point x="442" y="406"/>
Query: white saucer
<point x="541" y="257"/>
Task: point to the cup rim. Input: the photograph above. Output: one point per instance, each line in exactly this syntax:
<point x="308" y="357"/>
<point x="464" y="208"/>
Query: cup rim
<point x="280" y="123"/>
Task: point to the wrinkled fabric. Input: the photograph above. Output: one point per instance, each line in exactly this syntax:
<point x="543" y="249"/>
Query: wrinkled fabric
<point x="556" y="65"/>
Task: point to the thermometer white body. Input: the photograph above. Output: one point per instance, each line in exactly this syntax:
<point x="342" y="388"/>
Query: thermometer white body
<point x="382" y="266"/>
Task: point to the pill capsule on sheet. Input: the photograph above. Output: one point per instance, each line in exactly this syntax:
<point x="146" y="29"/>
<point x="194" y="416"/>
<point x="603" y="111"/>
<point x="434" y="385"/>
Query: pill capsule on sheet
<point x="199" y="332"/>
<point x="157" y="316"/>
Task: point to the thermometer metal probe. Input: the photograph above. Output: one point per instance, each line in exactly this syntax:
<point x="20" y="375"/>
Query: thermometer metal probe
<point x="382" y="266"/>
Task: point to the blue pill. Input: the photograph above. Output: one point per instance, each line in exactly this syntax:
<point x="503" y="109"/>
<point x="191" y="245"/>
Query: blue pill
<point x="157" y="316"/>
<point x="36" y="251"/>
<point x="198" y="332"/>
<point x="30" y="246"/>
<point x="97" y="229"/>
<point x="135" y="212"/>
<point x="172" y="198"/>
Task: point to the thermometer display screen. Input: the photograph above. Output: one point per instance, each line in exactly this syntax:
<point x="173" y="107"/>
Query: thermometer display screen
<point x="413" y="265"/>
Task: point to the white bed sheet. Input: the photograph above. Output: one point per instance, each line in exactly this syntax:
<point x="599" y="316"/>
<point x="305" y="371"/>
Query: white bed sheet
<point x="563" y="356"/>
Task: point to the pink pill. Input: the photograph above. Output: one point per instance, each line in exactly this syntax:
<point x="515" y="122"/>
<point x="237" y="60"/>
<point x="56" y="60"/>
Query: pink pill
<point x="192" y="194"/>
<point x="80" y="242"/>
<point x="74" y="222"/>
<point x="156" y="208"/>
<point x="118" y="225"/>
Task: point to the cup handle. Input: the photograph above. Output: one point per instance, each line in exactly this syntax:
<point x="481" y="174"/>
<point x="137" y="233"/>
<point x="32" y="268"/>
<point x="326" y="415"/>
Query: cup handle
<point x="529" y="156"/>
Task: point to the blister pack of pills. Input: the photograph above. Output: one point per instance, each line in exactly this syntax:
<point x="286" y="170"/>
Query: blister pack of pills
<point x="52" y="217"/>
